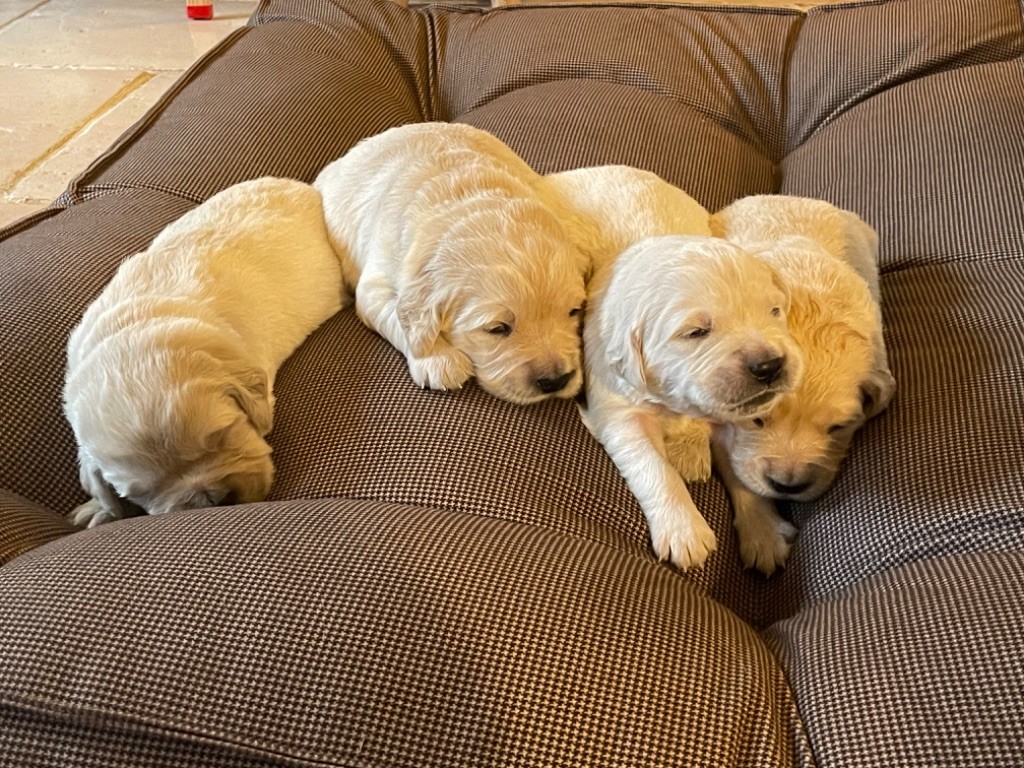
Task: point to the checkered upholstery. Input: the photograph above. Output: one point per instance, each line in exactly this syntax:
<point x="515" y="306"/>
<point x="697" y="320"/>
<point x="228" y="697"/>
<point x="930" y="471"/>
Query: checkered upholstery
<point x="447" y="579"/>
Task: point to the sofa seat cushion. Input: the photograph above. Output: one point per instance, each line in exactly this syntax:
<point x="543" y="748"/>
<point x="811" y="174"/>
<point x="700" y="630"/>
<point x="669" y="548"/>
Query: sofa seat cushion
<point x="928" y="654"/>
<point x="318" y="632"/>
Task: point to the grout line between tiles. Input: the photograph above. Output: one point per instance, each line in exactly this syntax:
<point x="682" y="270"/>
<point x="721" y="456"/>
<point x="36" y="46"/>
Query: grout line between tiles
<point x="119" y="96"/>
<point x="22" y="15"/>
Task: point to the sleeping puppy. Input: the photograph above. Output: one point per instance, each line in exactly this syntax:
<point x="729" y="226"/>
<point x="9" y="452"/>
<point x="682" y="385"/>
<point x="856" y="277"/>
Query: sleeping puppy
<point x="681" y="325"/>
<point x="171" y="371"/>
<point x="828" y="258"/>
<point x="455" y="259"/>
<point x="610" y="208"/>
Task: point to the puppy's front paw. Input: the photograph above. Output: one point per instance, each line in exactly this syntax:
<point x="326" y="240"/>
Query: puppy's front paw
<point x="448" y="369"/>
<point x="688" y="448"/>
<point x="765" y="539"/>
<point x="91" y="514"/>
<point x="683" y="538"/>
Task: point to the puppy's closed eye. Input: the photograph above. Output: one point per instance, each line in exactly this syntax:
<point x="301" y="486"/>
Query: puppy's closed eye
<point x="695" y="333"/>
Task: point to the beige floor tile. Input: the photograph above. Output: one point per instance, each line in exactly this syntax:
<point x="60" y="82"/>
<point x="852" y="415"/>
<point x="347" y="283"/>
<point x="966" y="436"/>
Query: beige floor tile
<point x="51" y="177"/>
<point x="43" y="107"/>
<point x="13" y="9"/>
<point x="11" y="212"/>
<point x="92" y="33"/>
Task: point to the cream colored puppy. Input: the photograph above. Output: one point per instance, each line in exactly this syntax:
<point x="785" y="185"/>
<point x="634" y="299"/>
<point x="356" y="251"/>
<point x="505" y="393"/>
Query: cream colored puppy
<point x="610" y="208"/>
<point x="828" y="258"/>
<point x="678" y="324"/>
<point x="456" y="260"/>
<point x="169" y="386"/>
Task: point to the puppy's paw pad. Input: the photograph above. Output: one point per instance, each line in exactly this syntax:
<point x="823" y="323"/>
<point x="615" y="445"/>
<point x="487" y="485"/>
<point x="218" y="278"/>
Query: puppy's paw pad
<point x="767" y="548"/>
<point x="686" y="544"/>
<point x="447" y="370"/>
<point x="91" y="514"/>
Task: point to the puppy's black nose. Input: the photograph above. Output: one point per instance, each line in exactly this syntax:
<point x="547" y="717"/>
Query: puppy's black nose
<point x="787" y="489"/>
<point x="549" y="385"/>
<point x="767" y="371"/>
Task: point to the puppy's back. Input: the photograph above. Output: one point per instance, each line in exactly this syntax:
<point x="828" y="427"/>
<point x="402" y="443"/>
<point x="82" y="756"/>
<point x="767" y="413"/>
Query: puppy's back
<point x="376" y="194"/>
<point x="612" y="207"/>
<point x="761" y="219"/>
<point x="253" y="261"/>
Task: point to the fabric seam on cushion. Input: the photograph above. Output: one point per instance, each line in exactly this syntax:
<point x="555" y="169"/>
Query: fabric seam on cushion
<point x="937" y="260"/>
<point x="131" y="723"/>
<point x="16" y="227"/>
<point x="625" y="547"/>
<point x="898" y="82"/>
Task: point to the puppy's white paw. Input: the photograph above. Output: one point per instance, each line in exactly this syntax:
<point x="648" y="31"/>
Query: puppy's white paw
<point x="765" y="539"/>
<point x="682" y="537"/>
<point x="91" y="514"/>
<point x="688" y="448"/>
<point x="448" y="369"/>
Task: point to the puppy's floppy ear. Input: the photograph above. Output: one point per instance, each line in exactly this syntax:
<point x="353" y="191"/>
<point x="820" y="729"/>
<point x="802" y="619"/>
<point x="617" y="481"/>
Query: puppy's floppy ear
<point x="250" y="389"/>
<point x="877" y="392"/>
<point x="421" y="304"/>
<point x="781" y="284"/>
<point x="625" y="349"/>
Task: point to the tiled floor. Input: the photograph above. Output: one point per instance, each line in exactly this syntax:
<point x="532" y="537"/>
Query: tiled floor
<point x="74" y="74"/>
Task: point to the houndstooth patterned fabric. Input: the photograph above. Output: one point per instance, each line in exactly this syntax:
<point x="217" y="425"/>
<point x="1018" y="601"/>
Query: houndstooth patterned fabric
<point x="340" y="632"/>
<point x="446" y="579"/>
<point x="25" y="526"/>
<point x="937" y="670"/>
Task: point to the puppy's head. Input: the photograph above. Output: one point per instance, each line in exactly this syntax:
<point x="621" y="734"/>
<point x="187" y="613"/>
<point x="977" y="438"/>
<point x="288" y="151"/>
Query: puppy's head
<point x="794" y="451"/>
<point x="698" y="326"/>
<point x="182" y="433"/>
<point x="508" y="292"/>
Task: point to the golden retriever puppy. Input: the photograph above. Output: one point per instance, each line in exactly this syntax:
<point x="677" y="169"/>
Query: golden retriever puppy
<point x="455" y="259"/>
<point x="828" y="259"/>
<point x="169" y="385"/>
<point x="610" y="208"/>
<point x="681" y="325"/>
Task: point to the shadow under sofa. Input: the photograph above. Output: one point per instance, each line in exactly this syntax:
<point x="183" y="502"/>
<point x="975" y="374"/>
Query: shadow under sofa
<point x="444" y="579"/>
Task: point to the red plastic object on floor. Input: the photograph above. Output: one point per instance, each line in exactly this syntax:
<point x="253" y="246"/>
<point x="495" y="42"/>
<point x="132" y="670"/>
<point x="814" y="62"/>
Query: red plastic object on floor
<point x="199" y="9"/>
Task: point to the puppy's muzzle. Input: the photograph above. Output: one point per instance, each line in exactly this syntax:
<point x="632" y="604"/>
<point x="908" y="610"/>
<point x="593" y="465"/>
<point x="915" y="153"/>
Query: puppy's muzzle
<point x="551" y="384"/>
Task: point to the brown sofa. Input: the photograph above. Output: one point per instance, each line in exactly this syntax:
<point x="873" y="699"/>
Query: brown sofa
<point x="449" y="580"/>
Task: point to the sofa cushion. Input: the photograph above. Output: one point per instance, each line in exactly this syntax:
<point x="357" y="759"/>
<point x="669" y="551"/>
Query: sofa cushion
<point x="25" y="526"/>
<point x="333" y="632"/>
<point x="918" y="667"/>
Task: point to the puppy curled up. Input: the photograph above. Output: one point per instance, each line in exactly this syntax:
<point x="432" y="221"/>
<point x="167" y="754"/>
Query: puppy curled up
<point x="170" y="375"/>
<point x="454" y="257"/>
<point x="828" y="259"/>
<point x="680" y="327"/>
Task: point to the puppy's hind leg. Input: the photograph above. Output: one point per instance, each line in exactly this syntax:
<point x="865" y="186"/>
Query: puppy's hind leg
<point x="377" y="306"/>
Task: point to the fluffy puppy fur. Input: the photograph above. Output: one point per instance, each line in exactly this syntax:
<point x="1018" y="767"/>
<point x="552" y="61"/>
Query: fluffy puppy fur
<point x="455" y="259"/>
<point x="170" y="372"/>
<point x="828" y="257"/>
<point x="679" y="326"/>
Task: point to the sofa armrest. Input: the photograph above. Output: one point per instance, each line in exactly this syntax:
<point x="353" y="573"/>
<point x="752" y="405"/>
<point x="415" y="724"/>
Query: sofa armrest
<point x="25" y="525"/>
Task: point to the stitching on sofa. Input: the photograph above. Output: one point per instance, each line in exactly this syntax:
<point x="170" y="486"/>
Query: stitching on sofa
<point x="107" y="720"/>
